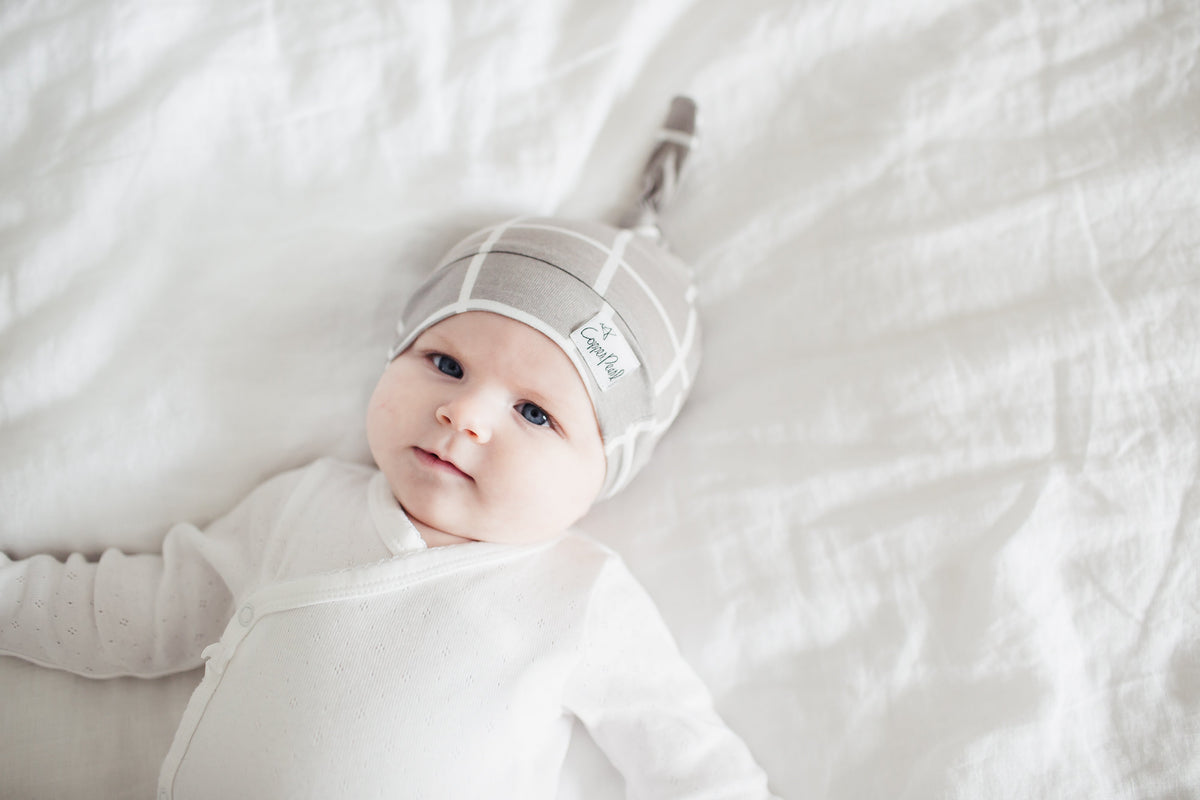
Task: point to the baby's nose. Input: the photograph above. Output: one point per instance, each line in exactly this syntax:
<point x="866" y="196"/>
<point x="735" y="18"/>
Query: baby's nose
<point x="468" y="414"/>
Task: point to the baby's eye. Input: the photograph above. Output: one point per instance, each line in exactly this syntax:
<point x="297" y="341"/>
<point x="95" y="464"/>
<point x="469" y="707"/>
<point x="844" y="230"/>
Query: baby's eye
<point x="533" y="414"/>
<point x="447" y="365"/>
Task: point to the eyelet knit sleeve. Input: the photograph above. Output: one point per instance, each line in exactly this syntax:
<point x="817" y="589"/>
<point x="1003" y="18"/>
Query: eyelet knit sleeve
<point x="647" y="709"/>
<point x="143" y="615"/>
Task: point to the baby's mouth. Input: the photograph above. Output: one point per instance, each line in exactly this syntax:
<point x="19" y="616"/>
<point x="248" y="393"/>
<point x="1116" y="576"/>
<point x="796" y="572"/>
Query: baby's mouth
<point x="434" y="461"/>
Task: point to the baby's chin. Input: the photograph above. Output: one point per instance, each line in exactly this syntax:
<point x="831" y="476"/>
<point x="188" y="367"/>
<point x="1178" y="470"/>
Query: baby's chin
<point x="452" y="519"/>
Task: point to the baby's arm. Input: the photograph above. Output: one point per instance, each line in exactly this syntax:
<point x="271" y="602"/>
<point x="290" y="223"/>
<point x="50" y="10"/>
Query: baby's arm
<point x="142" y="615"/>
<point x="648" y="710"/>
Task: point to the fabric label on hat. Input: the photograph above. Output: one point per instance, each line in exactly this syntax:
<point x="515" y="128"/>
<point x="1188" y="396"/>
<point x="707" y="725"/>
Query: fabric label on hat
<point x="605" y="350"/>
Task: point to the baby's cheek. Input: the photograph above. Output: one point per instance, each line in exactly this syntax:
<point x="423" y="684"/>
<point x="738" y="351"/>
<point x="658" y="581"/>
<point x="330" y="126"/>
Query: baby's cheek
<point x="388" y="401"/>
<point x="576" y="480"/>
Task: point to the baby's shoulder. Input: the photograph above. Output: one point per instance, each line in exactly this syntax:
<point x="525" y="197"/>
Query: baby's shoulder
<point x="336" y="471"/>
<point x="602" y="588"/>
<point x="323" y="475"/>
<point x="313" y="485"/>
<point x="591" y="562"/>
<point x="581" y="548"/>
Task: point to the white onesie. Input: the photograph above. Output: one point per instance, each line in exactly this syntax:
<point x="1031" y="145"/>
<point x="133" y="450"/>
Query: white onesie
<point x="344" y="659"/>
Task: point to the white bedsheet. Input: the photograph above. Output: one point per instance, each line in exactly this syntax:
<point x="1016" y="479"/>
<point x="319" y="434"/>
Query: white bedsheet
<point x="929" y="525"/>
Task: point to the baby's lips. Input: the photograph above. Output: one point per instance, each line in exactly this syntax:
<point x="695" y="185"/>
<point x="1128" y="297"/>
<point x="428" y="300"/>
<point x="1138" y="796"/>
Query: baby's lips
<point x="437" y="460"/>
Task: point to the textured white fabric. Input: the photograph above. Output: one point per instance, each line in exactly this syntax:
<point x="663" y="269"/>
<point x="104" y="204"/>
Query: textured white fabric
<point x="928" y="525"/>
<point x="357" y="663"/>
<point x="149" y="614"/>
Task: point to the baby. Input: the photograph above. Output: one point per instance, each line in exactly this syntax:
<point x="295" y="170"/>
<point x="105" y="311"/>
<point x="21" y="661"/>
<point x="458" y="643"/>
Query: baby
<point x="431" y="628"/>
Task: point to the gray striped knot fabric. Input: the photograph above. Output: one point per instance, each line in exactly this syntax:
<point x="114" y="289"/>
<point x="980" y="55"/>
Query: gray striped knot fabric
<point x="618" y="303"/>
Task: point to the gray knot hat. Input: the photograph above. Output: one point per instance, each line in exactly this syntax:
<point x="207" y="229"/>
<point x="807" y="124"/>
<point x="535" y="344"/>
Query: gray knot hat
<point x="618" y="303"/>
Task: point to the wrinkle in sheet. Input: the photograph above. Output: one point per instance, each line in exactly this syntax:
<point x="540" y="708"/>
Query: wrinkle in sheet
<point x="940" y="464"/>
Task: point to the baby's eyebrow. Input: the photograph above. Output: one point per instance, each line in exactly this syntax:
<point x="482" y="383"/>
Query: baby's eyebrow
<point x="432" y="338"/>
<point x="537" y="398"/>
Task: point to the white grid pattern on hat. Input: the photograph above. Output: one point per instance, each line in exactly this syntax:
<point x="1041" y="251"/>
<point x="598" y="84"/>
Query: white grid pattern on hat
<point x="622" y="448"/>
<point x="616" y="257"/>
<point x="469" y="279"/>
<point x="679" y="362"/>
<point x="615" y="260"/>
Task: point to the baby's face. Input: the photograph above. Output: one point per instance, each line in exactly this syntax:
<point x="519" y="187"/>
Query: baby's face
<point x="484" y="431"/>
